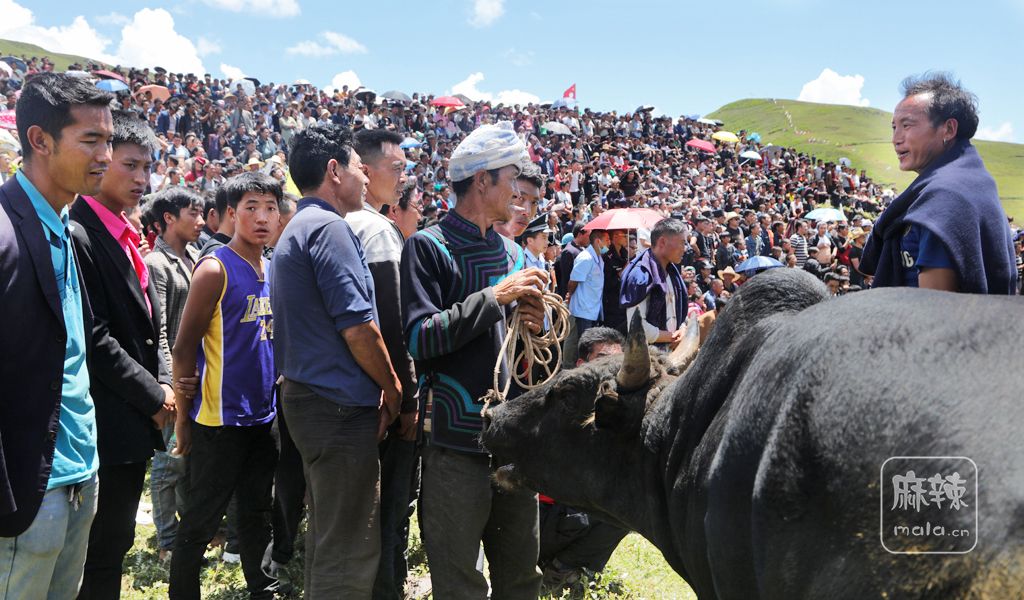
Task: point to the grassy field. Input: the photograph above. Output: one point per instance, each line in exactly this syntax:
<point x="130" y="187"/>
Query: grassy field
<point x="863" y="135"/>
<point x="60" y="61"/>
<point x="636" y="571"/>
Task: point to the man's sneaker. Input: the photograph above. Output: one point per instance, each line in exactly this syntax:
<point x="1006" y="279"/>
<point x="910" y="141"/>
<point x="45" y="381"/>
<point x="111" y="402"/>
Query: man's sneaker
<point x="231" y="558"/>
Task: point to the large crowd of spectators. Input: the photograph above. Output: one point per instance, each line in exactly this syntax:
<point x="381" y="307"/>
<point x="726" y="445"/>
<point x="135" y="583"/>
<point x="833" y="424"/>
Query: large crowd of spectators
<point x="734" y="200"/>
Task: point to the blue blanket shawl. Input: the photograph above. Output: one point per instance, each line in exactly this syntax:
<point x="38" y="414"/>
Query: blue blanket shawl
<point x="956" y="199"/>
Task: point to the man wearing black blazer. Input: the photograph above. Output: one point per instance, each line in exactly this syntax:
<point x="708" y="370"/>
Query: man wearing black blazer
<point x="130" y="381"/>
<point x="48" y="457"/>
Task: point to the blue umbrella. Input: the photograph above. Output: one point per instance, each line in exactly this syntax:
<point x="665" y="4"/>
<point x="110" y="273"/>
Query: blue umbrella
<point x="754" y="137"/>
<point x="825" y="214"/>
<point x="112" y="85"/>
<point x="757" y="264"/>
<point x="410" y="143"/>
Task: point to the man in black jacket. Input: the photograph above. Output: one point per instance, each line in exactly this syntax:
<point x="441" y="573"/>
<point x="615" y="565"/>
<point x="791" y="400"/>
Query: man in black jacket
<point x="130" y="382"/>
<point x="48" y="456"/>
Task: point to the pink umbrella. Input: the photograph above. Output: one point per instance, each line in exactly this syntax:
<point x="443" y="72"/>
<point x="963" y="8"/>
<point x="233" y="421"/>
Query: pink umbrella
<point x="625" y="218"/>
<point x="451" y="101"/>
<point x="704" y="145"/>
<point x="104" y="74"/>
<point x="156" y="91"/>
<point x="7" y="120"/>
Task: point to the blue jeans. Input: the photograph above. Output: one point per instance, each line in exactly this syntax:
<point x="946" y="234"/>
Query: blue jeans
<point x="167" y="487"/>
<point x="47" y="560"/>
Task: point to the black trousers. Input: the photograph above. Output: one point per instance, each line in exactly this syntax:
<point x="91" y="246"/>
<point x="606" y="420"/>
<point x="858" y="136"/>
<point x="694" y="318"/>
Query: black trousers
<point x="224" y="460"/>
<point x="113" y="529"/>
<point x="398" y="491"/>
<point x="289" y="494"/>
<point x="575" y="538"/>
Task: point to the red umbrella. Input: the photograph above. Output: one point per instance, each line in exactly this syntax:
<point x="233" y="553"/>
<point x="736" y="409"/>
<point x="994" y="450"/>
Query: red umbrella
<point x="446" y="101"/>
<point x="625" y="218"/>
<point x="104" y="74"/>
<point x="704" y="145"/>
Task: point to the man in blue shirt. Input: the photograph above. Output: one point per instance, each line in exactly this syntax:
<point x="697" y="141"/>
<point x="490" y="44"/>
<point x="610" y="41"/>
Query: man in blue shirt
<point x="947" y="230"/>
<point x="340" y="392"/>
<point x="586" y="283"/>
<point x="49" y="461"/>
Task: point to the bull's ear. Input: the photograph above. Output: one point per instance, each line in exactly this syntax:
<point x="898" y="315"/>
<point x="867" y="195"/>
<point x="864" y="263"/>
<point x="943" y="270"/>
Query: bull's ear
<point x="686" y="351"/>
<point x="610" y="412"/>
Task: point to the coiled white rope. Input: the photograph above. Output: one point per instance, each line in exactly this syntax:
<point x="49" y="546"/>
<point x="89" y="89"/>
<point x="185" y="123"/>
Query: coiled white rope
<point x="542" y="349"/>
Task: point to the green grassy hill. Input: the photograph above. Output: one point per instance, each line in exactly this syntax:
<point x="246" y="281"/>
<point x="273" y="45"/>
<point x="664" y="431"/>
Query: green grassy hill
<point x="863" y="135"/>
<point x="60" y="61"/>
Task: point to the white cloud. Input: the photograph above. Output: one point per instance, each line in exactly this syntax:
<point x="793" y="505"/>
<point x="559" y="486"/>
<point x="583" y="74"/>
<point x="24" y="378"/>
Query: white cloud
<point x="270" y="8"/>
<point x="518" y="58"/>
<point x="468" y="87"/>
<point x="231" y="72"/>
<point x="1003" y="133"/>
<point x="147" y="39"/>
<point x="150" y="40"/>
<point x="205" y="47"/>
<point x="334" y="43"/>
<point x="348" y="78"/>
<point x="832" y="88"/>
<point x="114" y="19"/>
<point x="18" y="23"/>
<point x="486" y="12"/>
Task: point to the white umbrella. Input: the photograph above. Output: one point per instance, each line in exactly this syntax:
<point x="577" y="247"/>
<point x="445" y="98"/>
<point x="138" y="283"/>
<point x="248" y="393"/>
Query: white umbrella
<point x="556" y="128"/>
<point x="707" y="122"/>
<point x="6" y="68"/>
<point x="825" y="214"/>
<point x="751" y="155"/>
<point x="247" y="86"/>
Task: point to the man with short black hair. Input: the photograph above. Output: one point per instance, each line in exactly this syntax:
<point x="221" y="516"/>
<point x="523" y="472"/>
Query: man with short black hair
<point x="652" y="284"/>
<point x="579" y="241"/>
<point x="130" y="379"/>
<point x="177" y="214"/>
<point x="48" y="466"/>
<point x="340" y="392"/>
<point x="948" y="229"/>
<point x="225" y="225"/>
<point x="384" y="165"/>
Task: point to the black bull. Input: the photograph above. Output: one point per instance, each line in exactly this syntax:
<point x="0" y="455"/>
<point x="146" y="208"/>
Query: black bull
<point x="758" y="471"/>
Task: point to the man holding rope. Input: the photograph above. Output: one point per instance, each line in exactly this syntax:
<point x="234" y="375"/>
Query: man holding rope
<point x="457" y="282"/>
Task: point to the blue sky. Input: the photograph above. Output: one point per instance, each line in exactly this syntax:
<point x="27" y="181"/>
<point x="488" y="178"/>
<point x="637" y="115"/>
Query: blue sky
<point x="682" y="57"/>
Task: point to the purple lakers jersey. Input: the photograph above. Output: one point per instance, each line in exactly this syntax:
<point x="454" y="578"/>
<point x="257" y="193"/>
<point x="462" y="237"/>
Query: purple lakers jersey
<point x="236" y="356"/>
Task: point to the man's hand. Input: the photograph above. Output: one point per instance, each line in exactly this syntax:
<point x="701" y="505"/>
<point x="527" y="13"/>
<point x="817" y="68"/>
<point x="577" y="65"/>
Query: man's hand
<point x="169" y="403"/>
<point x="407" y="426"/>
<point x="527" y="283"/>
<point x="163" y="417"/>
<point x="187" y="386"/>
<point x="525" y="288"/>
<point x="677" y="336"/>
<point x="183" y="435"/>
<point x="390" y="404"/>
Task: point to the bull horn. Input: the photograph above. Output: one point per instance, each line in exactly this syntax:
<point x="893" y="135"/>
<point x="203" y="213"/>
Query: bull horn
<point x="686" y="351"/>
<point x="636" y="364"/>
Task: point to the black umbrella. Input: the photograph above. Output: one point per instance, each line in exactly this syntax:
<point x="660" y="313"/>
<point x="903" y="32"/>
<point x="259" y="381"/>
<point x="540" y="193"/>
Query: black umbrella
<point x="465" y="99"/>
<point x="396" y="95"/>
<point x="366" y="95"/>
<point x="255" y="82"/>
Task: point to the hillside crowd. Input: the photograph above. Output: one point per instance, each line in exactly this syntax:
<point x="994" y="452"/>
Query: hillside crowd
<point x="257" y="176"/>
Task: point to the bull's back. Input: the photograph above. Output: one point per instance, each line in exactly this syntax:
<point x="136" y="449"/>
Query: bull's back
<point x="831" y="395"/>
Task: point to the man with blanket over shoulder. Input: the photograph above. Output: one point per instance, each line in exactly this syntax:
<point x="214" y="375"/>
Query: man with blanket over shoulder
<point x="947" y="230"/>
<point x="651" y="283"/>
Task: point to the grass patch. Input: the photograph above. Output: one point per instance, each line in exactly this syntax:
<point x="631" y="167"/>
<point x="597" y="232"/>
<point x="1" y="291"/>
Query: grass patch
<point x="636" y="570"/>
<point x="60" y="61"/>
<point x="863" y="135"/>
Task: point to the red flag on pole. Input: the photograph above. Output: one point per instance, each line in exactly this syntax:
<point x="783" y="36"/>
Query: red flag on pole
<point x="571" y="92"/>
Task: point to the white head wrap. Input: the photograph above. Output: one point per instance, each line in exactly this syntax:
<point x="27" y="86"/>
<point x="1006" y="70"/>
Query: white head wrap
<point x="487" y="147"/>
